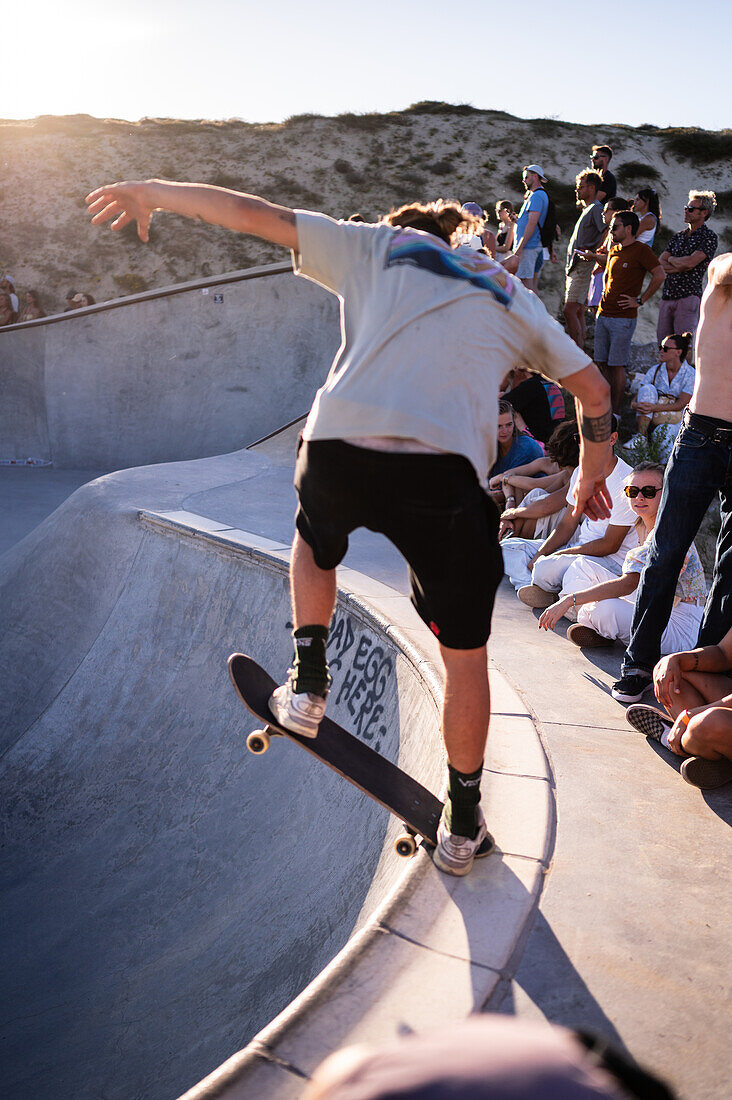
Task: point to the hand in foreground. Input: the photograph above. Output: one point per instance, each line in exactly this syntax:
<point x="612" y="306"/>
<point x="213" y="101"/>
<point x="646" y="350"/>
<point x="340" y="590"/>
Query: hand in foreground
<point x="592" y="498"/>
<point x="677" y="732"/>
<point x="505" y="528"/>
<point x="667" y="679"/>
<point x="550" y="616"/>
<point x="125" y="202"/>
<point x="512" y="264"/>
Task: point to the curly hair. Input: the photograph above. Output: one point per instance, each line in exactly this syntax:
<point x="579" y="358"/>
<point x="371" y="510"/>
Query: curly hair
<point x="441" y="218"/>
<point x="563" y="445"/>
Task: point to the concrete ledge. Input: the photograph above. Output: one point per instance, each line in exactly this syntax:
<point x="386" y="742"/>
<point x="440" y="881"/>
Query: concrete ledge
<point x="437" y="947"/>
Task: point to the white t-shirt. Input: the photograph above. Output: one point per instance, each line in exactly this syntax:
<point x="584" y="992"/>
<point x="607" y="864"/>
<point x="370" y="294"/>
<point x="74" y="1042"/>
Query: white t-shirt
<point x="428" y="333"/>
<point x="621" y="515"/>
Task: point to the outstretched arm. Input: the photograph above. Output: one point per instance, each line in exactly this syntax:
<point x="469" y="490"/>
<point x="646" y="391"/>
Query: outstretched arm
<point x="592" y="396"/>
<point x="138" y="201"/>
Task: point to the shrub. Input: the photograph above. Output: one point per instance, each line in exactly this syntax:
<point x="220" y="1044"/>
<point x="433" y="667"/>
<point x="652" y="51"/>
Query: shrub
<point x="131" y="283"/>
<point x="441" y="167"/>
<point x="724" y="202"/>
<point x="438" y="107"/>
<point x="223" y="179"/>
<point x="633" y="171"/>
<point x="370" y="121"/>
<point x="701" y="146"/>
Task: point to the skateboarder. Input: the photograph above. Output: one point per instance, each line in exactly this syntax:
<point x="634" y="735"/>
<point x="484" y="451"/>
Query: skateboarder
<point x="401" y="437"/>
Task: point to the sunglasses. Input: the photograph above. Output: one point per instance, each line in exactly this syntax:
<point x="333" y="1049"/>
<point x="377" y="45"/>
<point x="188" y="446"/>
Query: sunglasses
<point x="693" y="208"/>
<point x="667" y="347"/>
<point x="648" y="491"/>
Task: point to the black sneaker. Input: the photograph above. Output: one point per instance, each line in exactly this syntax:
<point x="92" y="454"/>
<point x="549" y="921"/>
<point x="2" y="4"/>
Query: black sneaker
<point x="631" y="689"/>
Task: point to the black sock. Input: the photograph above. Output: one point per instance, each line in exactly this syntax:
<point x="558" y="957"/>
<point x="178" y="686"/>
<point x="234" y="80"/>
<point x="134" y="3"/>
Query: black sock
<point x="311" y="666"/>
<point x="462" y="801"/>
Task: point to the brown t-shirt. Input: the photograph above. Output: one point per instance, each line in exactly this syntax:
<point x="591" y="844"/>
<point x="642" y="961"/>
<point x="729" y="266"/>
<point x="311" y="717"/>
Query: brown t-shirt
<point x="624" y="274"/>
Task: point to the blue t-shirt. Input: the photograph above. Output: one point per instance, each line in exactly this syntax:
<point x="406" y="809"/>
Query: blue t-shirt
<point x="538" y="201"/>
<point x="523" y="449"/>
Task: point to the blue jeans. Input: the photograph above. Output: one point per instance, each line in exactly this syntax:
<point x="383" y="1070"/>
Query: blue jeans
<point x="699" y="468"/>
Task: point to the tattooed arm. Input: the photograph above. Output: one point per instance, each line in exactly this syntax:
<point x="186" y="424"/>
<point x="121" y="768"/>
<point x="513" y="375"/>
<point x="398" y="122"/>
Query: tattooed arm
<point x="137" y="201"/>
<point x="597" y="438"/>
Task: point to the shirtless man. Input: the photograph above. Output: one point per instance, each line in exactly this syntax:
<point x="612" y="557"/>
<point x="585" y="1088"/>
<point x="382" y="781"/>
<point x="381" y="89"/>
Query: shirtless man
<point x="700" y="466"/>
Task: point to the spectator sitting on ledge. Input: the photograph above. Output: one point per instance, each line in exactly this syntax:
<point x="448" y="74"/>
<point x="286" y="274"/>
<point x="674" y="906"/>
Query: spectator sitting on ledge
<point x="514" y="448"/>
<point x="603" y="603"/>
<point x="695" y="687"/>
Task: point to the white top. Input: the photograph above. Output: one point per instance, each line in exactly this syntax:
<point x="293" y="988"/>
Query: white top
<point x="428" y="333"/>
<point x="621" y="515"/>
<point x="646" y="237"/>
<point x="682" y="382"/>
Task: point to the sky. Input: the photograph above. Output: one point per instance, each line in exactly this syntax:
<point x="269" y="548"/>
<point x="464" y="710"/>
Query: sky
<point x="659" y="61"/>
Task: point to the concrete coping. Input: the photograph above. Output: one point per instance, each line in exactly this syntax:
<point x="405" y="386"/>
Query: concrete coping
<point x="436" y="947"/>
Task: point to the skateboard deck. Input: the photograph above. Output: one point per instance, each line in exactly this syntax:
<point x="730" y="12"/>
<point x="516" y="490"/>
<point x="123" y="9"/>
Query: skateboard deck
<point x="356" y="761"/>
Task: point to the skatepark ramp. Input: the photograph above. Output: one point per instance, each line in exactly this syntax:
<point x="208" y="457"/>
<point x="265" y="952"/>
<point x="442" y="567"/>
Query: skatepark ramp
<point x="198" y="369"/>
<point x="165" y="893"/>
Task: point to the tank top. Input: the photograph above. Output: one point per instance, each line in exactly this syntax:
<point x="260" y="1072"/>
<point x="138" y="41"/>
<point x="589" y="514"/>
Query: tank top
<point x="646" y="237"/>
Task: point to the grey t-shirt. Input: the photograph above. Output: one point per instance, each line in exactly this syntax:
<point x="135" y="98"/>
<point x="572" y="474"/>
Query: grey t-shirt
<point x="428" y="334"/>
<point x="587" y="233"/>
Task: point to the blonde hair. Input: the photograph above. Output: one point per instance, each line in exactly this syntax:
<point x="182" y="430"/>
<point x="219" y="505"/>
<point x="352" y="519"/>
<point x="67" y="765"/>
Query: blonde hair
<point x="441" y="218"/>
<point x="707" y="200"/>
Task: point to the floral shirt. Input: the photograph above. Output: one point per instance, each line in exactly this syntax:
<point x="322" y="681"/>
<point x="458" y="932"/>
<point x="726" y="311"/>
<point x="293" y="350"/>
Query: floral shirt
<point x="682" y="382"/>
<point x="681" y="284"/>
<point x="691" y="586"/>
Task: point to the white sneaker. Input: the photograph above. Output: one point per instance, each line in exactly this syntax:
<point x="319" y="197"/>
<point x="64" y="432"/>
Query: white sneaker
<point x="455" y="854"/>
<point x="300" y="712"/>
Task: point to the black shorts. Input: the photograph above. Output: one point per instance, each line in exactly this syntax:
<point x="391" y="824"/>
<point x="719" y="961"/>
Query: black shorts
<point x="430" y="506"/>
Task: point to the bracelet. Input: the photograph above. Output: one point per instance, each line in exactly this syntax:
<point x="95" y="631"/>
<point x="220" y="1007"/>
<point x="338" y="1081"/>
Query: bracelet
<point x="685" y="718"/>
<point x="696" y="663"/>
<point x="574" y="599"/>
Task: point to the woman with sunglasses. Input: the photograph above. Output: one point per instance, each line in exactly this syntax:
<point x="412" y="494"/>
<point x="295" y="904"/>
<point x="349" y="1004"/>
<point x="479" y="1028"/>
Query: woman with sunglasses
<point x="664" y="393"/>
<point x="604" y="603"/>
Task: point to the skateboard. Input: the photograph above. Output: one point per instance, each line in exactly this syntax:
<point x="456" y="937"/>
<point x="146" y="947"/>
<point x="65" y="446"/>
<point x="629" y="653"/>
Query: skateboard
<point x="416" y="807"/>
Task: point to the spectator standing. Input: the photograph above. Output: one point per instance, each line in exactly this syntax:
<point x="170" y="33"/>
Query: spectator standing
<point x="532" y="215"/>
<point x="617" y="315"/>
<point x="482" y="237"/>
<point x="685" y="262"/>
<point x="587" y="234"/>
<point x="647" y="206"/>
<point x="528" y="397"/>
<point x="700" y="467"/>
<point x="32" y="309"/>
<point x="506" y="227"/>
<point x="610" y="208"/>
<point x="601" y="157"/>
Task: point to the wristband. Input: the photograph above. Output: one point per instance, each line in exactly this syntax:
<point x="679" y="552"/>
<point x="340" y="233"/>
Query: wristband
<point x="685" y="718"/>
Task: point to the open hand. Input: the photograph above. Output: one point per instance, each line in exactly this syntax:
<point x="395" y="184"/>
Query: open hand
<point x="125" y="202"/>
<point x="550" y="616"/>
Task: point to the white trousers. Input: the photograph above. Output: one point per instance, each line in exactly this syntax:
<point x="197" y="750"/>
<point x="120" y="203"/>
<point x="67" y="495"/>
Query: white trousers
<point x="613" y="618"/>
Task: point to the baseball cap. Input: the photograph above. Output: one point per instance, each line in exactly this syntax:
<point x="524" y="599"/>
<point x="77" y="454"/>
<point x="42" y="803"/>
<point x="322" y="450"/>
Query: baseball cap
<point x="536" y="168"/>
<point x="473" y="208"/>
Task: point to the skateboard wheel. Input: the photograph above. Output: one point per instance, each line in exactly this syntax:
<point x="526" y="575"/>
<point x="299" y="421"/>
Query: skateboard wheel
<point x="405" y="846"/>
<point x="258" y="742"/>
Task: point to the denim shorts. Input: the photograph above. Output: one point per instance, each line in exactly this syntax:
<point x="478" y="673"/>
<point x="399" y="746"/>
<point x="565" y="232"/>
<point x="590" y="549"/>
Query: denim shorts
<point x="431" y="507"/>
<point x="530" y="262"/>
<point x="612" y="339"/>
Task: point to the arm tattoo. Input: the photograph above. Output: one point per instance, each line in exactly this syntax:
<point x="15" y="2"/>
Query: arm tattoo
<point x="597" y="429"/>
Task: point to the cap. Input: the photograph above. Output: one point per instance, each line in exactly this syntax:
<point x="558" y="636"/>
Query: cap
<point x="536" y="168"/>
<point x="70" y="294"/>
<point x="473" y="208"/>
